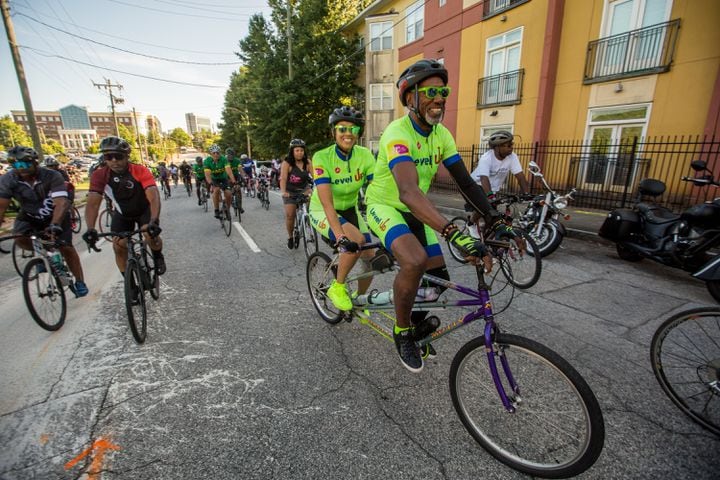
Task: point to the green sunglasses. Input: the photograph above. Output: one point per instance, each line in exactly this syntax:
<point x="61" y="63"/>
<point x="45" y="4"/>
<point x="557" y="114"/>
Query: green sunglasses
<point x="432" y="92"/>
<point x="344" y="129"/>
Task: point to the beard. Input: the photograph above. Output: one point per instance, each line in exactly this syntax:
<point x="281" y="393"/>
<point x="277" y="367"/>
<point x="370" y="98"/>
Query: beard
<point x="433" y="120"/>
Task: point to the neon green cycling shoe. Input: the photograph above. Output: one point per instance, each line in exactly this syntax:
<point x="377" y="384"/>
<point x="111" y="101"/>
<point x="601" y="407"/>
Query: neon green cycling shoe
<point x="338" y="295"/>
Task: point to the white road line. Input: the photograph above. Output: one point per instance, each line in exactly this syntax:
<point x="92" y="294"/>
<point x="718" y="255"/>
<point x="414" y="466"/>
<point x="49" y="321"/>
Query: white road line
<point x="248" y="239"/>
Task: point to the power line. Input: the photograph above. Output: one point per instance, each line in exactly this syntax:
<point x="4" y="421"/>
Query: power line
<point x="180" y="2"/>
<point x="154" y="57"/>
<point x="203" y="8"/>
<point x="82" y="27"/>
<point x="167" y="12"/>
<point x="50" y="54"/>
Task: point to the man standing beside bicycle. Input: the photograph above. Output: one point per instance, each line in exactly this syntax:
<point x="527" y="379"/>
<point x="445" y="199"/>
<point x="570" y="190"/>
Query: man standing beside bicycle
<point x="135" y="198"/>
<point x="340" y="170"/>
<point x="402" y="216"/>
<point x="44" y="207"/>
<point x="217" y="172"/>
<point x="295" y="184"/>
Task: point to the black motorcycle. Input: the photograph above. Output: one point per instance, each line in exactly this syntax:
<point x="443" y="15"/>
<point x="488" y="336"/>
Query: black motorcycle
<point x="687" y="241"/>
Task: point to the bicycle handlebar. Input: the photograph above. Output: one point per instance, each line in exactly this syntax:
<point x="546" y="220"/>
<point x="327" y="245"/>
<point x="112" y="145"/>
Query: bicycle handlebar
<point x="93" y="246"/>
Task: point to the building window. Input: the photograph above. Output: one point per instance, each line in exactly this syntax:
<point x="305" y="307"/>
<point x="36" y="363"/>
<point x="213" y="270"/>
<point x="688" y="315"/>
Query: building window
<point x="381" y="96"/>
<point x="502" y="56"/>
<point x="414" y="21"/>
<point x="611" y="132"/>
<point x="381" y="36"/>
<point x="442" y="3"/>
<point x="494" y="7"/>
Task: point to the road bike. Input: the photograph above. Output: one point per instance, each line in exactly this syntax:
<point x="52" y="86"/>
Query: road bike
<point x="521" y="262"/>
<point x="303" y="229"/>
<point x="44" y="279"/>
<point x="140" y="276"/>
<point x="264" y="196"/>
<point x="204" y="195"/>
<point x="236" y="201"/>
<point x="225" y="215"/>
<point x="165" y="184"/>
<point x="522" y="402"/>
<point x="188" y="185"/>
<point x="685" y="358"/>
<point x="250" y="187"/>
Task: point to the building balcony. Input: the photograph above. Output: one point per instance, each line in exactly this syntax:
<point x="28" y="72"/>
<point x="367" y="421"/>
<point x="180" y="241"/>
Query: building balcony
<point x="495" y="7"/>
<point x="503" y="89"/>
<point x="635" y="53"/>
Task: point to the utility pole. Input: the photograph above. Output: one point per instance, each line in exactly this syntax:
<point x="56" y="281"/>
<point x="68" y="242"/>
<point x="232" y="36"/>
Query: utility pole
<point x="22" y="81"/>
<point x="113" y="99"/>
<point x="137" y="135"/>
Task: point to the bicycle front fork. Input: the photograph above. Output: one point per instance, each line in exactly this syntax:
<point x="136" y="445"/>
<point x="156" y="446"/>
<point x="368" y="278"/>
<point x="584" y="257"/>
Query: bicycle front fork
<point x="493" y="351"/>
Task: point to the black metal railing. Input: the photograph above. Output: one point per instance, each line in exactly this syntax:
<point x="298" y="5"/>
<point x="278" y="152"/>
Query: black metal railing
<point x="606" y="175"/>
<point x="494" y="7"/>
<point x="503" y="89"/>
<point x="637" y="52"/>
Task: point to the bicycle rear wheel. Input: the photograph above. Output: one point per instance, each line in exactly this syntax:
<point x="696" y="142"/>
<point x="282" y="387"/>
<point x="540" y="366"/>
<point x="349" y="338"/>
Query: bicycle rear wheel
<point x="204" y="200"/>
<point x="21" y="257"/>
<point x="75" y="220"/>
<point x="557" y="429"/>
<point x="522" y="269"/>
<point x="135" y="301"/>
<point x="310" y="237"/>
<point x="319" y="275"/>
<point x="685" y="357"/>
<point x="44" y="295"/>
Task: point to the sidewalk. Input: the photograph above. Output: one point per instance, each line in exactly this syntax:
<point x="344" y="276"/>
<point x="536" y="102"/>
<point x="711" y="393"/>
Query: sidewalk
<point x="583" y="222"/>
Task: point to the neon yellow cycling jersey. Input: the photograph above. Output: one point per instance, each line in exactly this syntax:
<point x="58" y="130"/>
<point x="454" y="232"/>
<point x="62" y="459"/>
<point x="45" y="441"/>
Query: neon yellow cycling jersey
<point x="345" y="175"/>
<point x="403" y="141"/>
<point x="217" y="169"/>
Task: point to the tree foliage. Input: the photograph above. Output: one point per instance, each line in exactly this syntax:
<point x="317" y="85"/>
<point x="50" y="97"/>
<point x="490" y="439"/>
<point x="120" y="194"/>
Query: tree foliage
<point x="180" y="137"/>
<point x="263" y="101"/>
<point x="12" y="134"/>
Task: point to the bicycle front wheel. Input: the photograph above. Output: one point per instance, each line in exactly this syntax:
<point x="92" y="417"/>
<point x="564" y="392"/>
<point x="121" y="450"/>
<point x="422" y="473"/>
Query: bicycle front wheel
<point x="153" y="278"/>
<point x="557" y="429"/>
<point x="21" y="257"/>
<point x="104" y="221"/>
<point x="227" y="222"/>
<point x="135" y="301"/>
<point x="44" y="295"/>
<point x="310" y="237"/>
<point x="521" y="268"/>
<point x="462" y="225"/>
<point x="75" y="220"/>
<point x="320" y="274"/>
<point x="685" y="356"/>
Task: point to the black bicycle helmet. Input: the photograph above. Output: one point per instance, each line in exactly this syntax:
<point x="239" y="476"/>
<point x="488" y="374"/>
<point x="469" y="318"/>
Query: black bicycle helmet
<point x="114" y="144"/>
<point x="348" y="114"/>
<point x="417" y="72"/>
<point x="51" y="161"/>
<point x="297" y="142"/>
<point x="500" y="137"/>
<point x="230" y="151"/>
<point x="21" y="154"/>
<point x="198" y="159"/>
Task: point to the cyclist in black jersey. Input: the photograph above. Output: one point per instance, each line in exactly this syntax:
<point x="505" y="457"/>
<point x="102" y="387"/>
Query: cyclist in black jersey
<point x="295" y="181"/>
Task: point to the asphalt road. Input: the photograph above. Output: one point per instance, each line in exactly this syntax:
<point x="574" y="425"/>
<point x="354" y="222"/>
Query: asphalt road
<point x="240" y="378"/>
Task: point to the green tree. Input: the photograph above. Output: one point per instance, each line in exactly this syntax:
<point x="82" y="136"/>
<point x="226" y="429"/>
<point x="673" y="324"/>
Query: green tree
<point x="52" y="147"/>
<point x="180" y="137"/>
<point x="12" y="134"/>
<point x="128" y="134"/>
<point x="272" y="108"/>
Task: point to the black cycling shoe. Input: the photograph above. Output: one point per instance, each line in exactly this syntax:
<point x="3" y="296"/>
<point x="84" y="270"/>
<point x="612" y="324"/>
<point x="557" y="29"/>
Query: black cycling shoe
<point x="291" y="243"/>
<point x="242" y="210"/>
<point x="408" y="351"/>
<point x="217" y="214"/>
<point x="426" y="327"/>
<point x="160" y="263"/>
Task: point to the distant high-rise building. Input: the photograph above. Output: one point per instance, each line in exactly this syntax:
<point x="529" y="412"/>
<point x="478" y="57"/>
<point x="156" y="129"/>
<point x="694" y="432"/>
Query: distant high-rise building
<point x="196" y="123"/>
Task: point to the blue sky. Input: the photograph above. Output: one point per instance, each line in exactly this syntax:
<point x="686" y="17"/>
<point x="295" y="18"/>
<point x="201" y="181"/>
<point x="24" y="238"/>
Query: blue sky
<point x="190" y="36"/>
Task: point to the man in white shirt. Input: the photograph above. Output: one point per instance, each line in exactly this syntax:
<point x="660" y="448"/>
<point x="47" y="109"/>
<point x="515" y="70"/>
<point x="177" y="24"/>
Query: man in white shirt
<point x="495" y="164"/>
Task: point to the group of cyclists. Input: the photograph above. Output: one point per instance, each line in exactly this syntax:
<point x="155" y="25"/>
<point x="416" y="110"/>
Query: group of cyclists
<point x="399" y="212"/>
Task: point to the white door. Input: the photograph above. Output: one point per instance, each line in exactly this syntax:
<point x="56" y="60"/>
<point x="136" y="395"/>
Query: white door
<point x="611" y="164"/>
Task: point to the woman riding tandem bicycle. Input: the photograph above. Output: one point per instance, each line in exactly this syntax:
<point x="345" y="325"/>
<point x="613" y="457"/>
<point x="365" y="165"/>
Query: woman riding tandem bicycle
<point x="340" y="170"/>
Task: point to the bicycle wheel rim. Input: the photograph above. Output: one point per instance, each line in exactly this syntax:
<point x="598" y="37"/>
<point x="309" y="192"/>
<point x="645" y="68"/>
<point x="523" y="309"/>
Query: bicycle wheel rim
<point x="44" y="295"/>
<point x="557" y="429"/>
<point x="309" y="238"/>
<point x="75" y="220"/>
<point x="319" y="276"/>
<point x="21" y="258"/>
<point x="685" y="357"/>
<point x="135" y="301"/>
<point x="152" y="271"/>
<point x="104" y="221"/>
<point x="521" y="269"/>
<point x="227" y="224"/>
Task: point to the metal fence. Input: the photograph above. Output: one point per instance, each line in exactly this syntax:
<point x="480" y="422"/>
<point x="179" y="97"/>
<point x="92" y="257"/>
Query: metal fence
<point x="606" y="175"/>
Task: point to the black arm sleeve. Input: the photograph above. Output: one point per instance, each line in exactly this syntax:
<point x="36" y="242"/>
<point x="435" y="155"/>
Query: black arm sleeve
<point x="472" y="192"/>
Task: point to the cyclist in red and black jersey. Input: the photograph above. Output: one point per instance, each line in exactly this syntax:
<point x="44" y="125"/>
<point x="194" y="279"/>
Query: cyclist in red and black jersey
<point x="135" y="198"/>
